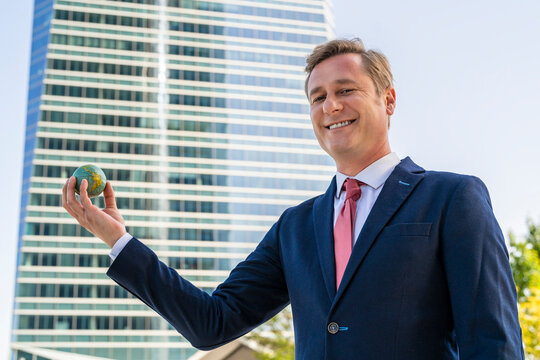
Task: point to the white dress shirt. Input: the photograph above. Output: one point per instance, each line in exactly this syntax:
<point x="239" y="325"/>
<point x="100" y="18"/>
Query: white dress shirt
<point x="119" y="245"/>
<point x="374" y="176"/>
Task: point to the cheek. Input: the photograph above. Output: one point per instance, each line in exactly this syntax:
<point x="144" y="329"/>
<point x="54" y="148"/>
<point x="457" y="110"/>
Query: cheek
<point x="316" y="131"/>
<point x="315" y="114"/>
<point x="313" y="110"/>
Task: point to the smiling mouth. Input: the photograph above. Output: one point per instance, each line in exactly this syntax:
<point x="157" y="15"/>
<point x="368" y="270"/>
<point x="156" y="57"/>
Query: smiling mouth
<point x="340" y="124"/>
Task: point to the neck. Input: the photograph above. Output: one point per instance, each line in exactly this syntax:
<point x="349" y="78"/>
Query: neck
<point x="354" y="164"/>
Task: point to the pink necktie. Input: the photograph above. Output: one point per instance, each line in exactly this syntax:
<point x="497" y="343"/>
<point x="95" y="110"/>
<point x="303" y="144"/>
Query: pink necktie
<point x="344" y="228"/>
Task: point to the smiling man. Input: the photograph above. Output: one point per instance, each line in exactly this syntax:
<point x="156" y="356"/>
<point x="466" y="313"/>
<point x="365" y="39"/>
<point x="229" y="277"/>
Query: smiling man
<point x="392" y="262"/>
<point x="350" y="114"/>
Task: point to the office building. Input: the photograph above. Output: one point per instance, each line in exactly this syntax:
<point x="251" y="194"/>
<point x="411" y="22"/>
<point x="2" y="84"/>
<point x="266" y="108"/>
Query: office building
<point x="195" y="110"/>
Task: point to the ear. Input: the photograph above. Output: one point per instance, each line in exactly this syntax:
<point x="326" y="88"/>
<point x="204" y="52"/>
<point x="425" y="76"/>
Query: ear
<point x="390" y="100"/>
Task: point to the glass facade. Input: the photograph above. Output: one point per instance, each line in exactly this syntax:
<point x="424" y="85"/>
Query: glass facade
<point x="195" y="111"/>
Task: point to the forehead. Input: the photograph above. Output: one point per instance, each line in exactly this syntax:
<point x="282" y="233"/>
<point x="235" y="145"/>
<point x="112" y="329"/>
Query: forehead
<point x="344" y="66"/>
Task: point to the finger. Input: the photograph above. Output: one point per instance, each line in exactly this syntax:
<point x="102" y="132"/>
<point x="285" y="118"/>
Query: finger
<point x="108" y="193"/>
<point x="83" y="194"/>
<point x="64" y="198"/>
<point x="71" y="200"/>
<point x="64" y="194"/>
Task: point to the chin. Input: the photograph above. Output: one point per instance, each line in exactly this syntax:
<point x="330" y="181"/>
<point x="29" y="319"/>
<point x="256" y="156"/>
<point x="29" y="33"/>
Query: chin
<point x="340" y="153"/>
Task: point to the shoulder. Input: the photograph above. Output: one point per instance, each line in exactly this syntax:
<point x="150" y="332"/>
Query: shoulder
<point x="301" y="210"/>
<point x="451" y="180"/>
<point x="320" y="203"/>
<point x="433" y="178"/>
<point x="459" y="187"/>
<point x="445" y="186"/>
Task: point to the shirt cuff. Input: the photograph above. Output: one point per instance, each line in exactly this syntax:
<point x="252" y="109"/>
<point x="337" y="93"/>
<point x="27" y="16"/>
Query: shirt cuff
<point x="119" y="245"/>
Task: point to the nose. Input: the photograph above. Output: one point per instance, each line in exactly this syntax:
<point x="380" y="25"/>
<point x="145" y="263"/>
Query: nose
<point x="331" y="105"/>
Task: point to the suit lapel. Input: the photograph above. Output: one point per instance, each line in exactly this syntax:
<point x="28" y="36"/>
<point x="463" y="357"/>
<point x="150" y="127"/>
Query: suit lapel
<point x="323" y="216"/>
<point x="396" y="190"/>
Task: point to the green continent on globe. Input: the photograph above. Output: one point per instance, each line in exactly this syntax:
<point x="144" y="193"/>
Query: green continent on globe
<point x="95" y="177"/>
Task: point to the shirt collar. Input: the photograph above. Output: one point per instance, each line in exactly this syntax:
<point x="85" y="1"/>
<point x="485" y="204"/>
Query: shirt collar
<point x="374" y="175"/>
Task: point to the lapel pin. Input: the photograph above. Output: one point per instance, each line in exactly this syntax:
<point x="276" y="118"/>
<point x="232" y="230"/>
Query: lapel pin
<point x="404" y="183"/>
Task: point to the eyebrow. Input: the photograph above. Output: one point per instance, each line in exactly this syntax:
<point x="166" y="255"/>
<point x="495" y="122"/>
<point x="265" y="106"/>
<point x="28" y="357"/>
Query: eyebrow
<point x="338" y="81"/>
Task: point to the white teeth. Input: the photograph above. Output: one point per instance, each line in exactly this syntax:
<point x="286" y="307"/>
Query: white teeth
<point x="338" y="125"/>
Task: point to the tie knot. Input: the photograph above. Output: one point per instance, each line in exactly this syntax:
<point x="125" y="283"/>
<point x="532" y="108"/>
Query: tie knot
<point x="352" y="187"/>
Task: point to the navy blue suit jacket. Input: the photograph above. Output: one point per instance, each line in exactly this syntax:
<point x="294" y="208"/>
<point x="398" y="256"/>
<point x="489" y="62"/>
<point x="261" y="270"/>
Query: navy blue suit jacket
<point x="428" y="278"/>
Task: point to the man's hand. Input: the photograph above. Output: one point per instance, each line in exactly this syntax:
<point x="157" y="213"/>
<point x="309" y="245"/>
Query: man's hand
<point x="106" y="224"/>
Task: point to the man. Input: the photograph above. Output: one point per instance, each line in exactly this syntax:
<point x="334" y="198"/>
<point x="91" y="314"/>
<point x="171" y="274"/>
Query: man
<point x="392" y="262"/>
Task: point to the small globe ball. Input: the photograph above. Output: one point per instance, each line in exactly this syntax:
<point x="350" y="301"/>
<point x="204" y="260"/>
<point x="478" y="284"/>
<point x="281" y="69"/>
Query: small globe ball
<point x="96" y="179"/>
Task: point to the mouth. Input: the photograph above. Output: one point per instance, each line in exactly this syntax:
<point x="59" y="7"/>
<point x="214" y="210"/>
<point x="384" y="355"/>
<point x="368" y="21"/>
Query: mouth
<point x="340" y="124"/>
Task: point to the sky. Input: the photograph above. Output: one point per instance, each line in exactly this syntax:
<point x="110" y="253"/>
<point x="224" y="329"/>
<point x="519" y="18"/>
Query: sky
<point x="467" y="80"/>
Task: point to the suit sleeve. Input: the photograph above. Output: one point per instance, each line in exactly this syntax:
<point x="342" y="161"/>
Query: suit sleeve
<point x="482" y="290"/>
<point x="254" y="292"/>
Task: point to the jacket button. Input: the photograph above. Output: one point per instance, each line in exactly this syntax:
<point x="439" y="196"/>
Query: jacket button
<point x="333" y="328"/>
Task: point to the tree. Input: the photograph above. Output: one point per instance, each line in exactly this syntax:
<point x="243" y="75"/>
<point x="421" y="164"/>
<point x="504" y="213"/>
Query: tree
<point x="525" y="262"/>
<point x="276" y="337"/>
<point x="529" y="318"/>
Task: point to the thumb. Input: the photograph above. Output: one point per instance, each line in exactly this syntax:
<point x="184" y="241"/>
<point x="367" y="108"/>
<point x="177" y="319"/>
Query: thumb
<point x="108" y="193"/>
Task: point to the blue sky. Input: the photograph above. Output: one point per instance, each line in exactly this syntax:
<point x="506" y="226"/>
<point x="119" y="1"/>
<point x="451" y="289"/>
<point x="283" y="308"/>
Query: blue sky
<point x="467" y="83"/>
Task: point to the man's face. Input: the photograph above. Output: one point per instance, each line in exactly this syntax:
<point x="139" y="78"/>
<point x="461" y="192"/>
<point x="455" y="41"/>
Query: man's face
<point x="349" y="119"/>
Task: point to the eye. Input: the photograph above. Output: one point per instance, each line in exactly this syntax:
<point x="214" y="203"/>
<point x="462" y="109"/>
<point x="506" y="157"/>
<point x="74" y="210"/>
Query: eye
<point x="346" y="91"/>
<point x="317" y="99"/>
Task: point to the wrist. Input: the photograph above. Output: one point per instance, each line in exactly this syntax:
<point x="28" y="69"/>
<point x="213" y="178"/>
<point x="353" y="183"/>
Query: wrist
<point x="111" y="239"/>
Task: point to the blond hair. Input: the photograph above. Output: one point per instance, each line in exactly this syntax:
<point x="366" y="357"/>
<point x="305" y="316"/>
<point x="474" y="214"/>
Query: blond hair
<point x="375" y="63"/>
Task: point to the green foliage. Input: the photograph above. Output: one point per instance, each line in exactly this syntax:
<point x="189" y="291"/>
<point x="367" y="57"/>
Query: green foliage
<point x="525" y="262"/>
<point x="529" y="318"/>
<point x="276" y="337"/>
